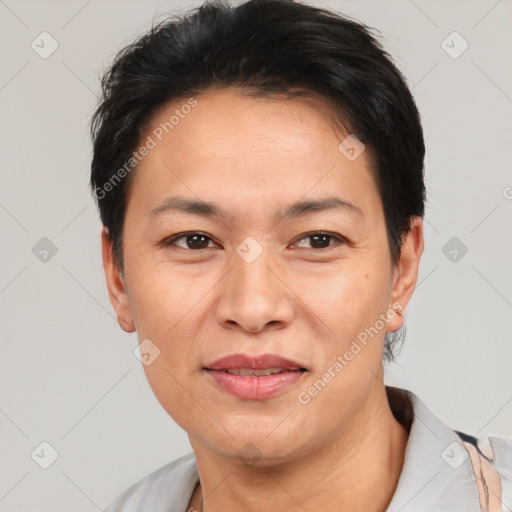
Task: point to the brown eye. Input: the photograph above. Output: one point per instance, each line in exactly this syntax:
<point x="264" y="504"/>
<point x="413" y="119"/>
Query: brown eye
<point x="319" y="240"/>
<point x="193" y="240"/>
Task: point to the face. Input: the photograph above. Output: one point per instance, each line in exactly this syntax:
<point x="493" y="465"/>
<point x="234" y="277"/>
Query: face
<point x="251" y="274"/>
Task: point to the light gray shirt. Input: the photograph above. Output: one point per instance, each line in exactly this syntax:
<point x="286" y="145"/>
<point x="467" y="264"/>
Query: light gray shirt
<point x="437" y="474"/>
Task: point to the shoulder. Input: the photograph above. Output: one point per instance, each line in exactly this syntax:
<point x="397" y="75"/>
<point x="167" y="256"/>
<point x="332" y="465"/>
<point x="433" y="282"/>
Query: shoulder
<point x="167" y="488"/>
<point x="492" y="462"/>
<point x="502" y="448"/>
<point x="462" y="472"/>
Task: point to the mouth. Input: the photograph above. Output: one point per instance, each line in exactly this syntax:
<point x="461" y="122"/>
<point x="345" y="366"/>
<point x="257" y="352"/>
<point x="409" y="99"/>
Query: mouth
<point x="253" y="372"/>
<point x="262" y="362"/>
<point x="255" y="377"/>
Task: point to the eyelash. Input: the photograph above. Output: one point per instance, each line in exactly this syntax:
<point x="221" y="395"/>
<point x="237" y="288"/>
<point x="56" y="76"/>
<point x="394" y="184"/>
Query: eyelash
<point x="171" y="241"/>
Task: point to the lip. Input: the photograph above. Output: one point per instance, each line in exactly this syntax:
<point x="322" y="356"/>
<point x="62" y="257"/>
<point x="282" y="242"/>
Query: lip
<point x="255" y="362"/>
<point x="253" y="387"/>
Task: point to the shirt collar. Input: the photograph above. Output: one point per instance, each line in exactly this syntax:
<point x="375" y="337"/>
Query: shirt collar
<point x="437" y="471"/>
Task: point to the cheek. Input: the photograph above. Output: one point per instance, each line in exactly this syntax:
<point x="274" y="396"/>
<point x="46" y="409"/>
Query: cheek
<point x="167" y="384"/>
<point x="165" y="311"/>
<point x="348" y="366"/>
<point x="160" y="299"/>
<point x="345" y="300"/>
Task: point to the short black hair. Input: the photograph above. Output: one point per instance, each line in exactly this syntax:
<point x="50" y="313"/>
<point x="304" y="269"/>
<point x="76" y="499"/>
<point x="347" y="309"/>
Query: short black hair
<point x="265" y="47"/>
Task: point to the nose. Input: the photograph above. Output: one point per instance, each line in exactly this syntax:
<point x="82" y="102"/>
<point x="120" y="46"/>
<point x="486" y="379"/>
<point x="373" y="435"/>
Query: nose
<point x="254" y="297"/>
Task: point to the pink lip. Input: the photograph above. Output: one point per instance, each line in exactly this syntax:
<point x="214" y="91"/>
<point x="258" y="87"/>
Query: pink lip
<point x="256" y="362"/>
<point x="252" y="387"/>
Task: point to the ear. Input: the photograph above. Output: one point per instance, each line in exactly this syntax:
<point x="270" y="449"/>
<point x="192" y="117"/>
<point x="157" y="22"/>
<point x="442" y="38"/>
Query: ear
<point x="116" y="284"/>
<point x="405" y="274"/>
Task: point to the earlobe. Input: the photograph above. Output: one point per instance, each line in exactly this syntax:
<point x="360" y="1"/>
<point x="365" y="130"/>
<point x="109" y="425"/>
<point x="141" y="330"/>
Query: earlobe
<point x="406" y="272"/>
<point x="116" y="285"/>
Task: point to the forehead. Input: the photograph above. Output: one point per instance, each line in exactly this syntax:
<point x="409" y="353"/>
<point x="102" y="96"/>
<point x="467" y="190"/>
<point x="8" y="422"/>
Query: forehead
<point x="243" y="122"/>
<point x="249" y="148"/>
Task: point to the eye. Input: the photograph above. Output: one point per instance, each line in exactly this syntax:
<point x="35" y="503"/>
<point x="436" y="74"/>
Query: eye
<point x="191" y="240"/>
<point x="319" y="240"/>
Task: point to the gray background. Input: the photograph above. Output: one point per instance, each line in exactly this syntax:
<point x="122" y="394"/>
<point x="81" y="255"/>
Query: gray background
<point x="68" y="373"/>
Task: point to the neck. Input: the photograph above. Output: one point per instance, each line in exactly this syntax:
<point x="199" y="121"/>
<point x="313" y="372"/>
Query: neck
<point x="359" y="471"/>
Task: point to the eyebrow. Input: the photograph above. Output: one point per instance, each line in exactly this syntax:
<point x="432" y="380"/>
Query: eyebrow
<point x="298" y="209"/>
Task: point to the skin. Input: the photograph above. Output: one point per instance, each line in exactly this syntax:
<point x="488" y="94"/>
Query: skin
<point x="344" y="450"/>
